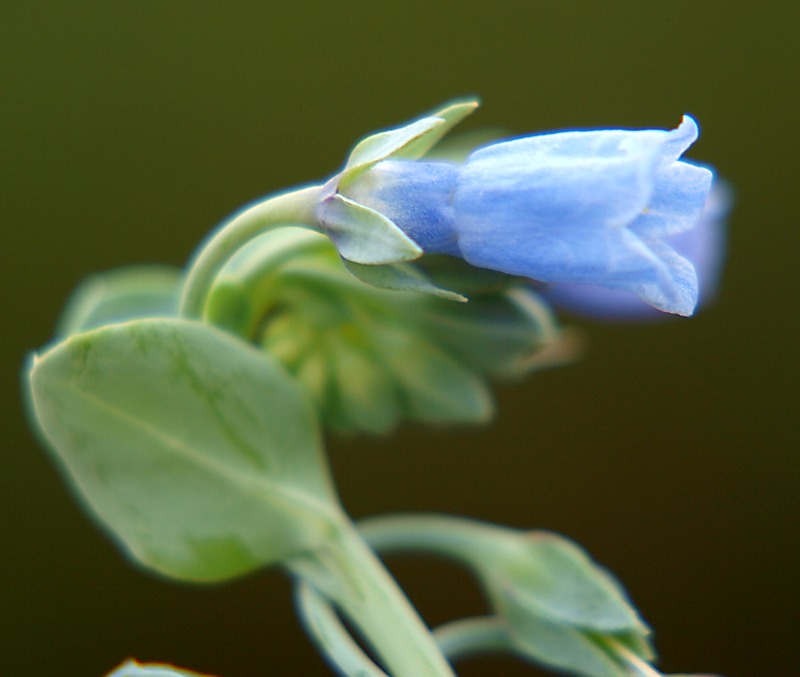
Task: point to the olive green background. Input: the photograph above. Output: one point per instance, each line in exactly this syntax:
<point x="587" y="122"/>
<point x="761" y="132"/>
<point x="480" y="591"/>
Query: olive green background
<point x="670" y="450"/>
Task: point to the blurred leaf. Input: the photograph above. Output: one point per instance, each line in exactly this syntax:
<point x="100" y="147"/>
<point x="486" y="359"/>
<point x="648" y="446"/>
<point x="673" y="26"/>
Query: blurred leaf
<point x="123" y="294"/>
<point x="197" y="452"/>
<point x="563" y="584"/>
<point x="436" y="388"/>
<point x="563" y="647"/>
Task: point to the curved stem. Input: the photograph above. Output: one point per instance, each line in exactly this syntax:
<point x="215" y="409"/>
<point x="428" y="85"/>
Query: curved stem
<point x="295" y="208"/>
<point x="457" y="640"/>
<point x="330" y="635"/>
<point x="347" y="572"/>
<point x="471" y="636"/>
<point x="456" y="538"/>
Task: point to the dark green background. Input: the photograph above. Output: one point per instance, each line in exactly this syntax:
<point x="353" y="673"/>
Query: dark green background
<point x="669" y="451"/>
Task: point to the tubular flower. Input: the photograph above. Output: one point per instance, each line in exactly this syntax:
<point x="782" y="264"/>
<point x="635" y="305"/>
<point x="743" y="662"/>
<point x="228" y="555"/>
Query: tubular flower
<point x="703" y="245"/>
<point x="584" y="207"/>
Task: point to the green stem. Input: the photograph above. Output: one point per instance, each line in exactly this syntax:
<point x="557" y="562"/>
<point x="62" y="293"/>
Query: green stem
<point x="346" y="571"/>
<point x="473" y="636"/>
<point x="330" y="634"/>
<point x="457" y="640"/>
<point x="456" y="538"/>
<point x="296" y="208"/>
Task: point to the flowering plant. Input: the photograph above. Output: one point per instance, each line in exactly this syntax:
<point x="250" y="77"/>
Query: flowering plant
<point x="186" y="408"/>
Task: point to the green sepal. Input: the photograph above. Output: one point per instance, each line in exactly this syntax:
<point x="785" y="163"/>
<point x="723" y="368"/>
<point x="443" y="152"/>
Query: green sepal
<point x="363" y="235"/>
<point x="123" y="294"/>
<point x="561" y="583"/>
<point x="400" y="277"/>
<point x="560" y="607"/>
<point x="409" y="142"/>
<point x="198" y="453"/>
<point x="452" y="272"/>
<point x="376" y="147"/>
<point x="562" y="647"/>
<point x="134" y="669"/>
<point x="451" y="113"/>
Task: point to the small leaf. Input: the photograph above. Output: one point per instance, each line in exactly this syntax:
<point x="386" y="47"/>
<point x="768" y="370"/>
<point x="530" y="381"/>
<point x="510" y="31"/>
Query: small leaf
<point x="564" y="585"/>
<point x="123" y="294"/>
<point x="562" y="647"/>
<point x="196" y="451"/>
<point x="362" y="397"/>
<point x="400" y="277"/>
<point x="491" y="333"/>
<point x="452" y="114"/>
<point x="134" y="669"/>
<point x="435" y="387"/>
<point x="377" y="147"/>
<point x="408" y="142"/>
<point x="363" y="235"/>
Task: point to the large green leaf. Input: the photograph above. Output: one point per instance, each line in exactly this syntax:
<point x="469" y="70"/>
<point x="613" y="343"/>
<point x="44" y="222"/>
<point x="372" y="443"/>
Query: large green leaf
<point x="198" y="452"/>
<point x="123" y="294"/>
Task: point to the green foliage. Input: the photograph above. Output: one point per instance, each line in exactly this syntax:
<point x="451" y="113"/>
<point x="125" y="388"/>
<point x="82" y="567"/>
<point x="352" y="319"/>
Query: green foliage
<point x="559" y="607"/>
<point x="196" y="442"/>
<point x="198" y="453"/>
<point x="122" y="294"/>
<point x="371" y="358"/>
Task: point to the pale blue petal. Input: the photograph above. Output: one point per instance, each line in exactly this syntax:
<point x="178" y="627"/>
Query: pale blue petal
<point x="703" y="245"/>
<point x="676" y="203"/>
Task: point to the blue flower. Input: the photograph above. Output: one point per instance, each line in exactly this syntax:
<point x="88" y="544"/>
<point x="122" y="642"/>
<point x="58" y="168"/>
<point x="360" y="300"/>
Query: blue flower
<point x="584" y="207"/>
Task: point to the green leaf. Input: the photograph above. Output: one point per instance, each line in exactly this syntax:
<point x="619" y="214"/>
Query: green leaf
<point x="363" y="235"/>
<point x="565" y="648"/>
<point x="436" y="387"/>
<point x="196" y="451"/>
<point x="363" y="396"/>
<point x="400" y="277"/>
<point x="561" y="583"/>
<point x="491" y="333"/>
<point x="134" y="669"/>
<point x="124" y="294"/>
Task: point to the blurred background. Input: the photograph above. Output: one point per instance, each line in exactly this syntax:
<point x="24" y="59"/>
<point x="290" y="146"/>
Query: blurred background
<point x="670" y="451"/>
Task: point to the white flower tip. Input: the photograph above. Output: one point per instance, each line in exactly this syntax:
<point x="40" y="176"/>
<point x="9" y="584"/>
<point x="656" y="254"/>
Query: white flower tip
<point x="687" y="130"/>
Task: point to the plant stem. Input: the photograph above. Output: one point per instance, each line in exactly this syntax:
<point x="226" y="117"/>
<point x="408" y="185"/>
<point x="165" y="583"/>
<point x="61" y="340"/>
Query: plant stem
<point x="348" y="572"/>
<point x="456" y="538"/>
<point x="330" y="635"/>
<point x="473" y="636"/>
<point x="296" y="208"/>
